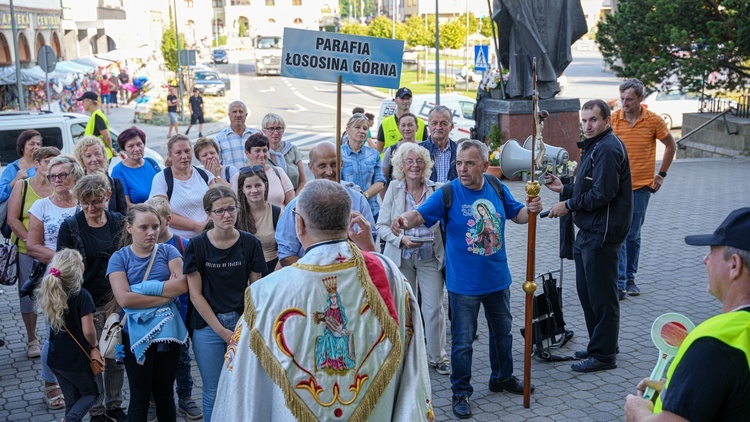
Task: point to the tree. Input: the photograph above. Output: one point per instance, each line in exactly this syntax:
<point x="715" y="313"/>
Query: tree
<point x="663" y="42"/>
<point x="453" y="34"/>
<point x="417" y="34"/>
<point x="486" y="28"/>
<point x="169" y="47"/>
<point x="380" y="27"/>
<point x="353" y="29"/>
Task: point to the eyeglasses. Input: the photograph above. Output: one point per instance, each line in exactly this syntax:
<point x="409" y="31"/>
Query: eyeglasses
<point x="220" y="212"/>
<point x="59" y="176"/>
<point x="411" y="162"/>
<point x="274" y="129"/>
<point x="294" y="212"/>
<point x="93" y="203"/>
<point x="254" y="169"/>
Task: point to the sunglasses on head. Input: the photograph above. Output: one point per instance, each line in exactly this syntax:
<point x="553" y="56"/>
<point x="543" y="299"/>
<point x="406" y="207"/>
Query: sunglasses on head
<point x="254" y="169"/>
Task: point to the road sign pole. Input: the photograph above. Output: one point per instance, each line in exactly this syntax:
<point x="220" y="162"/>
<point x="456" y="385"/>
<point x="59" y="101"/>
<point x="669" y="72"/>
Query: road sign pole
<point x="338" y="128"/>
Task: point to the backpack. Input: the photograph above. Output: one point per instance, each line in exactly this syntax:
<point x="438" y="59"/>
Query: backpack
<point x="179" y="244"/>
<point x="75" y="231"/>
<point x="447" y="192"/>
<point x="169" y="178"/>
<point x="200" y="251"/>
<point x="275" y="213"/>
<point x="153" y="163"/>
<point x="5" y="229"/>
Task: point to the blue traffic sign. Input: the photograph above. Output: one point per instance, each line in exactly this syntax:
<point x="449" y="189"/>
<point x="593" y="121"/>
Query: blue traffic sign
<point x="359" y="60"/>
<point x="481" y="52"/>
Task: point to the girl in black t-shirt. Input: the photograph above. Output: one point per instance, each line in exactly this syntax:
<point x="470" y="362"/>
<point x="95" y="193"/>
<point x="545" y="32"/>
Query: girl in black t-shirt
<point x="219" y="263"/>
<point x="69" y="310"/>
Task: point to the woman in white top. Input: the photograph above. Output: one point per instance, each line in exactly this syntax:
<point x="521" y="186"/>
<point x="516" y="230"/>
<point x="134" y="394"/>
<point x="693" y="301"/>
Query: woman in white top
<point x="45" y="217"/>
<point x="280" y="189"/>
<point x="188" y="183"/>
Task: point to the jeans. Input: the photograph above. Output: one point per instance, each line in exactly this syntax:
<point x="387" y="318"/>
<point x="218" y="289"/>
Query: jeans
<point x="209" y="349"/>
<point x="184" y="378"/>
<point x="80" y="391"/>
<point x="110" y="381"/>
<point x="465" y="310"/>
<point x="47" y="374"/>
<point x="596" y="282"/>
<point x="156" y="375"/>
<point x="631" y="247"/>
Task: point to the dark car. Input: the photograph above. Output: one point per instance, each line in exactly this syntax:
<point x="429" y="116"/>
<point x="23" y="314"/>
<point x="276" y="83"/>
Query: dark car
<point x="209" y="82"/>
<point x="220" y="56"/>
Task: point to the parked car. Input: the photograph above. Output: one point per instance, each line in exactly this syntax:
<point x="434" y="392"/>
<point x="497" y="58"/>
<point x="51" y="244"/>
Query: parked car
<point x="421" y="105"/>
<point x="209" y="82"/>
<point x="670" y="105"/>
<point x="220" y="56"/>
<point x="61" y="130"/>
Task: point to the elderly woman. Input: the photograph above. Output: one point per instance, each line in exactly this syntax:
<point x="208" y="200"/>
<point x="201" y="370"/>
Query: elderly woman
<point x="183" y="185"/>
<point x="92" y="156"/>
<point x="95" y="233"/>
<point x="25" y="193"/>
<point x="284" y="154"/>
<point x="362" y="163"/>
<point x="280" y="189"/>
<point x="45" y="217"/>
<point x="207" y="152"/>
<point x="28" y="142"/>
<point x="136" y="171"/>
<point x="407" y="127"/>
<point x="418" y="252"/>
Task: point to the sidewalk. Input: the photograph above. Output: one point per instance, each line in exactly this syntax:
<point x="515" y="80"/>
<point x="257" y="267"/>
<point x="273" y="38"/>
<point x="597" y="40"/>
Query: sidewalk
<point x="695" y="198"/>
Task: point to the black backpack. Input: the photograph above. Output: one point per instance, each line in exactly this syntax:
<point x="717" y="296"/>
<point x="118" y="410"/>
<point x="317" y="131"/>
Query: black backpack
<point x="169" y="178"/>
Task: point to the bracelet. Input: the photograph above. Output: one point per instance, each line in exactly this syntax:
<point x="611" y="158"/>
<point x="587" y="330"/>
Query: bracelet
<point x="365" y="195"/>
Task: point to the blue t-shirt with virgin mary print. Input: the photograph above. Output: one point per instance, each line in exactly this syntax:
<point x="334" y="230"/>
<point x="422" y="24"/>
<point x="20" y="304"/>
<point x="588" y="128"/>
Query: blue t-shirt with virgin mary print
<point x="475" y="258"/>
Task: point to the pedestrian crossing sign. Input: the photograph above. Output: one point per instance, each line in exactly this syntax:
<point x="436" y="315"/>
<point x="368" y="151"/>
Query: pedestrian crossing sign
<point x="480" y="57"/>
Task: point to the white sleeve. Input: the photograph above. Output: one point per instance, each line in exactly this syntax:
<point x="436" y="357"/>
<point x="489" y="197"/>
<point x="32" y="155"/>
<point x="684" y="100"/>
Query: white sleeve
<point x="158" y="185"/>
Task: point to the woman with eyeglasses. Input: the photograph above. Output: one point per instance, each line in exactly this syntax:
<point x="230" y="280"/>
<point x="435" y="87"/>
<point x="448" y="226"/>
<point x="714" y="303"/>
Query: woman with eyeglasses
<point x="418" y="252"/>
<point x="280" y="189"/>
<point x="207" y="152"/>
<point x="92" y="156"/>
<point x="284" y="154"/>
<point x="28" y="141"/>
<point x="362" y="163"/>
<point x="135" y="171"/>
<point x="407" y="127"/>
<point x="95" y="233"/>
<point x="45" y="217"/>
<point x="219" y="263"/>
<point x="183" y="185"/>
<point x="258" y="216"/>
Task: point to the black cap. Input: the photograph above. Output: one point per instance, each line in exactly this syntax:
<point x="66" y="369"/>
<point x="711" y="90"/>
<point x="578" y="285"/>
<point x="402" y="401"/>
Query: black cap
<point x="734" y="232"/>
<point x="403" y="92"/>
<point x="88" y="95"/>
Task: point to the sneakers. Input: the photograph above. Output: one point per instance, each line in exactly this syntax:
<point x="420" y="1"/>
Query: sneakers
<point x="151" y="416"/>
<point x="461" y="407"/>
<point x="116" y="415"/>
<point x="512" y="385"/>
<point x="33" y="350"/>
<point x="622" y="295"/>
<point x="632" y="289"/>
<point x="191" y="410"/>
<point x="593" y="364"/>
<point x="442" y="368"/>
<point x="581" y="354"/>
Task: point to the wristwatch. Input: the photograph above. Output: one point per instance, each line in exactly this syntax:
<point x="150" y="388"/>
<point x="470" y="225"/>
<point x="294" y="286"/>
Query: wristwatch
<point x="663" y="174"/>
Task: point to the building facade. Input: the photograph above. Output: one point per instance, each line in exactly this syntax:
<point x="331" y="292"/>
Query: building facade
<point x="38" y="23"/>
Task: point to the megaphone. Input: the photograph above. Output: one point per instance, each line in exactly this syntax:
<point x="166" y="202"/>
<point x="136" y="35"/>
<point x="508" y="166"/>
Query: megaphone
<point x="516" y="159"/>
<point x="556" y="156"/>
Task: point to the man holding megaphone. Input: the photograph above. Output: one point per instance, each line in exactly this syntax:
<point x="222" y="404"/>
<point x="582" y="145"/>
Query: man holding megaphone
<point x="602" y="202"/>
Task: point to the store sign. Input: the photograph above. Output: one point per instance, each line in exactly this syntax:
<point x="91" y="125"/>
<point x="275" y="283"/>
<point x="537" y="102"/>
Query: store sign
<point x="23" y="20"/>
<point x="47" y="21"/>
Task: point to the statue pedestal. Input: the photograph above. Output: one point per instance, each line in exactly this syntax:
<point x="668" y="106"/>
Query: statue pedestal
<point x="561" y="128"/>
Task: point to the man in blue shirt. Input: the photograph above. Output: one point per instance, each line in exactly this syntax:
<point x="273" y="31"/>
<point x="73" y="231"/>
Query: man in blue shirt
<point x="232" y="139"/>
<point x="323" y="165"/>
<point x="475" y="241"/>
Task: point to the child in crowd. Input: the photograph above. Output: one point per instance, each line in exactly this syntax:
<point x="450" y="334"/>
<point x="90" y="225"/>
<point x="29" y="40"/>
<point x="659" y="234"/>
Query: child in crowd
<point x="69" y="311"/>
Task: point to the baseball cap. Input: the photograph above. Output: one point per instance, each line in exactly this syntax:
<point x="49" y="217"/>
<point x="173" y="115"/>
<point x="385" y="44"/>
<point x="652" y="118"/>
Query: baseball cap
<point x="734" y="232"/>
<point x="403" y="92"/>
<point x="88" y="95"/>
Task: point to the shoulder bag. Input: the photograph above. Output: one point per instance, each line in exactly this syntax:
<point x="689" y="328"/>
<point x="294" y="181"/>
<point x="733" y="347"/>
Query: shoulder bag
<point x="95" y="357"/>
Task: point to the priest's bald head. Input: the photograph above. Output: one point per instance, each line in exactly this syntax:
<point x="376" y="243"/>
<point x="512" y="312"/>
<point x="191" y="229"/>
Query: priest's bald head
<point x="322" y="213"/>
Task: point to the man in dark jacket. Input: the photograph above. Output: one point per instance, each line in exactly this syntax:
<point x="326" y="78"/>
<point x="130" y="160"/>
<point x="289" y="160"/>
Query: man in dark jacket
<point x="442" y="148"/>
<point x="602" y="202"/>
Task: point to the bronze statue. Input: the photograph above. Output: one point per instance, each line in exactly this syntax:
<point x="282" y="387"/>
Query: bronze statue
<point x="544" y="29"/>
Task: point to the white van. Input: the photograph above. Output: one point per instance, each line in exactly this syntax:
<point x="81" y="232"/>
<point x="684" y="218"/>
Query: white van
<point x="61" y="130"/>
<point x="421" y="105"/>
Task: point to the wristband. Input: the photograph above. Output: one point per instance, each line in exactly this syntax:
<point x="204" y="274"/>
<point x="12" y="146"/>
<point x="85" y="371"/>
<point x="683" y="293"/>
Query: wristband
<point x="663" y="174"/>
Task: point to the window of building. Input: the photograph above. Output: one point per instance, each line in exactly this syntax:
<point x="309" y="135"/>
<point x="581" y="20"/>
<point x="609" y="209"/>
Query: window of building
<point x="189" y="4"/>
<point x="296" y="2"/>
<point x="270" y="2"/>
<point x="240" y="3"/>
<point x="217" y="3"/>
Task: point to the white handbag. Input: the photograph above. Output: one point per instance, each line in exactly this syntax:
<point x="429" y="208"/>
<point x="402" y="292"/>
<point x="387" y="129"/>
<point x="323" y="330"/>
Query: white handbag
<point x="111" y="336"/>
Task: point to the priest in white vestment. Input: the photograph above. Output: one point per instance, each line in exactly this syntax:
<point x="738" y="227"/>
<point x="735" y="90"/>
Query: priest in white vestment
<point x="337" y="336"/>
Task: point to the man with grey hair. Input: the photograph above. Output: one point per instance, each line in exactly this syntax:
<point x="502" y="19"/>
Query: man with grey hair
<point x="474" y="225"/>
<point x="232" y="139"/>
<point x="442" y="148"/>
<point x="340" y="326"/>
<point x="639" y="128"/>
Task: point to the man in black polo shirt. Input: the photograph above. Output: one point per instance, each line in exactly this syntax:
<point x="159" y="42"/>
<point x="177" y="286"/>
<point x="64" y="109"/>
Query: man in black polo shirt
<point x="196" y="109"/>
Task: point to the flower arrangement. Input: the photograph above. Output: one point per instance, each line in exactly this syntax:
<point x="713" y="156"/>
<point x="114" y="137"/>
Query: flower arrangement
<point x="491" y="80"/>
<point x="495" y="144"/>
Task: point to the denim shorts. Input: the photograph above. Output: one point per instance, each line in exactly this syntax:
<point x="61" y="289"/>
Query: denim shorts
<point x="172" y="117"/>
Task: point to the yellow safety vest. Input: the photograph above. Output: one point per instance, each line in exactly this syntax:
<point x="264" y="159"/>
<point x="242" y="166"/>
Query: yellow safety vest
<point x="91" y="127"/>
<point x="731" y="328"/>
<point x="391" y="135"/>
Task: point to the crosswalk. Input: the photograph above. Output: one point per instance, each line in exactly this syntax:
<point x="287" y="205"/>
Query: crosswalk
<point x="305" y="140"/>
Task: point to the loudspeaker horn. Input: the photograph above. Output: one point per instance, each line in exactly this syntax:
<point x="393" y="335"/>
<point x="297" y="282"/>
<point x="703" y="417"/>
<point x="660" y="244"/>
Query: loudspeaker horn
<point x="516" y="159"/>
<point x="556" y="156"/>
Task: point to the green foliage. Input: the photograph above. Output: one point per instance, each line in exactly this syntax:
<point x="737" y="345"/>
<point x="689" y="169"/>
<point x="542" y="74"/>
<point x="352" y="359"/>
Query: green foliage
<point x="655" y="40"/>
<point x="243" y="28"/>
<point x="417" y="34"/>
<point x="169" y="47"/>
<point x="453" y="34"/>
<point x="380" y="27"/>
<point x="222" y="41"/>
<point x="353" y="28"/>
<point x="486" y="29"/>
